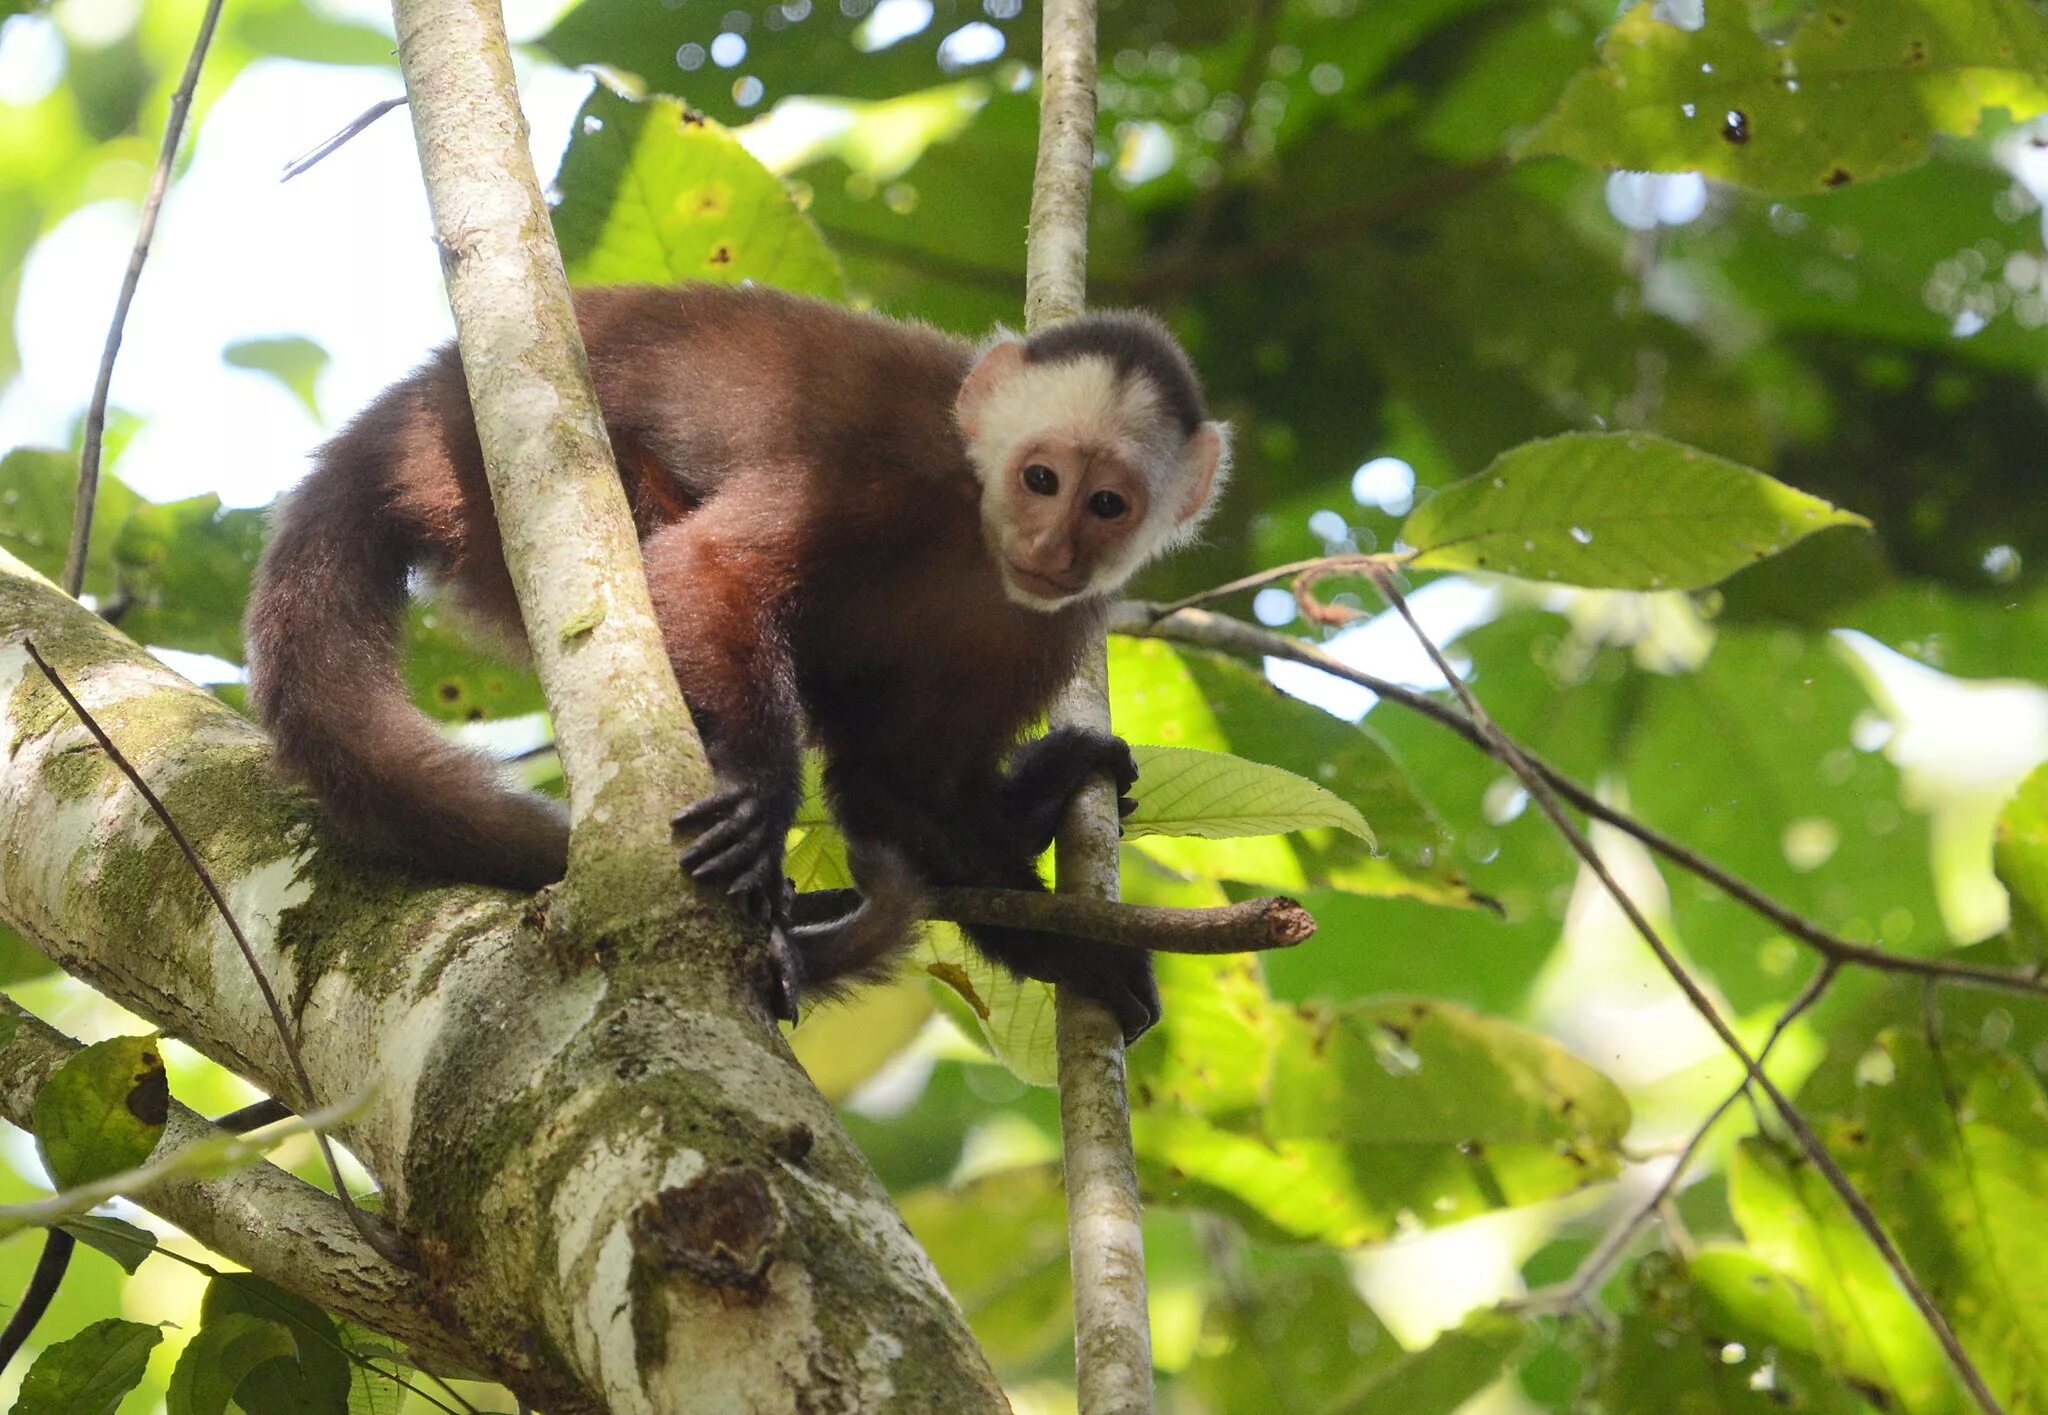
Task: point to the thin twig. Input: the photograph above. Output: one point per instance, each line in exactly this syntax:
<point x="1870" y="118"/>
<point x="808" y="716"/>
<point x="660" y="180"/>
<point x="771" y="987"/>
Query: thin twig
<point x="1574" y="1291"/>
<point x="1816" y="1152"/>
<point x="305" y="161"/>
<point x="1205" y="629"/>
<point x="1252" y="926"/>
<point x="379" y="1235"/>
<point x="96" y="412"/>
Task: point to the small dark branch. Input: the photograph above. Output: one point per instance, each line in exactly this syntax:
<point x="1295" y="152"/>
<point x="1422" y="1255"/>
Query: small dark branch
<point x="307" y="160"/>
<point x="1794" y="1120"/>
<point x="1206" y="630"/>
<point x="96" y="413"/>
<point x="1254" y="926"/>
<point x="1320" y="567"/>
<point x="1576" y="1291"/>
<point x="254" y="1116"/>
<point x="375" y="1232"/>
<point x="35" y="1298"/>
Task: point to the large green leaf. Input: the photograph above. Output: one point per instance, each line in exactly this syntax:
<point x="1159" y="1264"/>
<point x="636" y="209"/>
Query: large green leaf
<point x="1369" y="1117"/>
<point x="1614" y="511"/>
<point x="313" y="1379"/>
<point x="656" y="194"/>
<point x="1856" y="91"/>
<point x="1726" y="1333"/>
<point x="213" y="1365"/>
<point x="1217" y="796"/>
<point x="102" y="1111"/>
<point x="1288" y="1333"/>
<point x="1866" y="1329"/>
<point x="90" y="1373"/>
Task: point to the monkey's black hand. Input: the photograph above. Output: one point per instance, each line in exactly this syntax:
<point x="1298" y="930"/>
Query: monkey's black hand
<point x="739" y="845"/>
<point x="1045" y="774"/>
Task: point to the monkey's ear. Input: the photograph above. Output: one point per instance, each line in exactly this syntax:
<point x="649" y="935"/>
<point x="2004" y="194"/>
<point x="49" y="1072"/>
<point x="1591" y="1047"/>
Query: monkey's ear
<point x="1207" y="462"/>
<point x="995" y="366"/>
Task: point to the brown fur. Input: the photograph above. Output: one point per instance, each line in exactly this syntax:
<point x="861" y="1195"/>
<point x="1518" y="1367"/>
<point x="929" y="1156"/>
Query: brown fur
<point x="811" y="528"/>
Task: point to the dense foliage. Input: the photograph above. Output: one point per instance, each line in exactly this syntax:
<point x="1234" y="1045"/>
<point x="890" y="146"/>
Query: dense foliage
<point x="1620" y="429"/>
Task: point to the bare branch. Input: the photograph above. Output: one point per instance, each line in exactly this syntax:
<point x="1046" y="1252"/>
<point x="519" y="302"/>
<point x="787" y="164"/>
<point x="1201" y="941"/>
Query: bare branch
<point x="1794" y="1120"/>
<point x="1253" y="926"/>
<point x="306" y="161"/>
<point x="1204" y="629"/>
<point x="96" y="412"/>
<point x="1105" y="1237"/>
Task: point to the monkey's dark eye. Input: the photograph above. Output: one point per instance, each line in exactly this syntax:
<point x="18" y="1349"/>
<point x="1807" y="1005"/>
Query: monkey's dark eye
<point x="1108" y="505"/>
<point x="1041" y="479"/>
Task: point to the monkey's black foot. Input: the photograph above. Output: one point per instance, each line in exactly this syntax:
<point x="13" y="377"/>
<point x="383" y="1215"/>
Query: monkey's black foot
<point x="1118" y="978"/>
<point x="1044" y="775"/>
<point x="785" y="975"/>
<point x="739" y="848"/>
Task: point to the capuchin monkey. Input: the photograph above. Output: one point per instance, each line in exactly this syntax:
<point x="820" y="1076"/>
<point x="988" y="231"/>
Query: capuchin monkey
<point x="859" y="531"/>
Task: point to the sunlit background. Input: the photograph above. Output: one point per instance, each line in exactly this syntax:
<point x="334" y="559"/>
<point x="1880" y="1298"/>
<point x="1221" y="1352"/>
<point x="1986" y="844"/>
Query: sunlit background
<point x="342" y="256"/>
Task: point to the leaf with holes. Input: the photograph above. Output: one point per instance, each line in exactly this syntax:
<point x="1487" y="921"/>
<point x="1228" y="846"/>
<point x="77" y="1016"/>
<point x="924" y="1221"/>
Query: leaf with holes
<point x="657" y="194"/>
<point x="1186" y="791"/>
<point x="102" y="1111"/>
<point x="91" y="1373"/>
<point x="1856" y="91"/>
<point x="1622" y="511"/>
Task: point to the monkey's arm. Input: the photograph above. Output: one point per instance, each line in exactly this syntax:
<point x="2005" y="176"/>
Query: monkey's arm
<point x="720" y="585"/>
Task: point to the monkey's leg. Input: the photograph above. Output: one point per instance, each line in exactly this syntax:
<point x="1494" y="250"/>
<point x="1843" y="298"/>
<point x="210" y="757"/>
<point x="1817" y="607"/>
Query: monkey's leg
<point x="967" y="840"/>
<point x="1044" y="774"/>
<point x="717" y="592"/>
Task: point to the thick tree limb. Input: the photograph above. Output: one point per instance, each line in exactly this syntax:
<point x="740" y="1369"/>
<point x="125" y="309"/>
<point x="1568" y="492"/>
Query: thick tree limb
<point x="544" y="1129"/>
<point x="1112" y="1333"/>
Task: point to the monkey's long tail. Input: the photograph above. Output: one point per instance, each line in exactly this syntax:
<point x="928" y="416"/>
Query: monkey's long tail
<point x="862" y="946"/>
<point x="323" y="640"/>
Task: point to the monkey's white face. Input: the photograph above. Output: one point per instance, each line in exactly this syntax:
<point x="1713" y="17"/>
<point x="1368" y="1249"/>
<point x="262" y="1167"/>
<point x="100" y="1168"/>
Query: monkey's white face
<point x="1083" y="477"/>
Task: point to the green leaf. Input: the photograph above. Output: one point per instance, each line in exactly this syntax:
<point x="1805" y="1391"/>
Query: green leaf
<point x="1386" y="1114"/>
<point x="295" y="362"/>
<point x="1013" y="1016"/>
<point x="657" y="194"/>
<point x="117" y="1238"/>
<point x="102" y="1111"/>
<point x="1866" y="1329"/>
<point x="1291" y="1334"/>
<point x="1857" y="91"/>
<point x="1624" y="510"/>
<point x="214" y="1363"/>
<point x="2019" y="852"/>
<point x="1441" y="1377"/>
<point x="314" y="1379"/>
<point x="1187" y="698"/>
<point x="1217" y="796"/>
<point x="90" y="1373"/>
<point x="1726" y="1332"/>
<point x="38" y="486"/>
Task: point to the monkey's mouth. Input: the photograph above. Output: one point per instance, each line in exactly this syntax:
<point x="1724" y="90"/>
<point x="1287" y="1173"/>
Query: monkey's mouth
<point x="1042" y="586"/>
